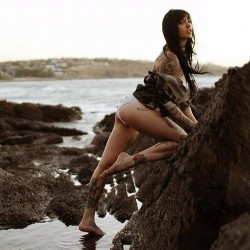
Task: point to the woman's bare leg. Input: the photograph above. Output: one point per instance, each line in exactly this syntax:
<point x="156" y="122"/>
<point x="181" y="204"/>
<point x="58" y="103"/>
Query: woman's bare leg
<point x="150" y="123"/>
<point x="139" y="119"/>
<point x="120" y="139"/>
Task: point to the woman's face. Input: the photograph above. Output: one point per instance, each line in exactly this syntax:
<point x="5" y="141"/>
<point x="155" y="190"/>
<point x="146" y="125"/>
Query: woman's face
<point x="185" y="28"/>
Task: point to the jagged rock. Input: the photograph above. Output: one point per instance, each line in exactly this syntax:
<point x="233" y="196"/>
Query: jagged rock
<point x="205" y="185"/>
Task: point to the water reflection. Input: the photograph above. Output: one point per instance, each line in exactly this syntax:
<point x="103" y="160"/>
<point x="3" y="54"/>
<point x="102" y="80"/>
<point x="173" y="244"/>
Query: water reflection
<point x="89" y="241"/>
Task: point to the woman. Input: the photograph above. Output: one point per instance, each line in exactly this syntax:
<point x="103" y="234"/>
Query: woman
<point x="166" y="92"/>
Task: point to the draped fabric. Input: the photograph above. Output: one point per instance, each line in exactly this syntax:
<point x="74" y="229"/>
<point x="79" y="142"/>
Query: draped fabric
<point x="162" y="92"/>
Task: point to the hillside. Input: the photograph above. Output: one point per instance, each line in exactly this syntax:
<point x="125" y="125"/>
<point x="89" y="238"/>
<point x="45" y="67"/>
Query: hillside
<point x="80" y="68"/>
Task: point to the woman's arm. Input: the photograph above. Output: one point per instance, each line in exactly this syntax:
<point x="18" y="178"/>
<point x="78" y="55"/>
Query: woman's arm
<point x="188" y="112"/>
<point x="179" y="117"/>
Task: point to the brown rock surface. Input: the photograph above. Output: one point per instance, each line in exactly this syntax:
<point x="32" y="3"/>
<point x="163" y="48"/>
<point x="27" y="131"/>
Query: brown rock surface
<point x="38" y="112"/>
<point x="206" y="185"/>
<point x="34" y="178"/>
<point x="235" y="235"/>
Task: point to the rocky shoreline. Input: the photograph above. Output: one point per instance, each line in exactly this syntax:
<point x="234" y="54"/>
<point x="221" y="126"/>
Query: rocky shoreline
<point x="199" y="199"/>
<point x="39" y="178"/>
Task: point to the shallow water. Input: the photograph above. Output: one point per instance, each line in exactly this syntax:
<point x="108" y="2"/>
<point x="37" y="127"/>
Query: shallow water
<point x="96" y="98"/>
<point x="55" y="235"/>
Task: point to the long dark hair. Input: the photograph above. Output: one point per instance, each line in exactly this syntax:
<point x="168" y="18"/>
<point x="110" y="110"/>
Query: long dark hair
<point x="171" y="35"/>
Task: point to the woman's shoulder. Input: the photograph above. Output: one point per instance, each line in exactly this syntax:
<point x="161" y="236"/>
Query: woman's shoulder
<point x="167" y="62"/>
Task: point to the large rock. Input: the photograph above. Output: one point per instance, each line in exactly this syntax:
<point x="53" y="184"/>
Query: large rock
<point x="27" y="123"/>
<point x="207" y="182"/>
<point x="39" y="112"/>
<point x="234" y="235"/>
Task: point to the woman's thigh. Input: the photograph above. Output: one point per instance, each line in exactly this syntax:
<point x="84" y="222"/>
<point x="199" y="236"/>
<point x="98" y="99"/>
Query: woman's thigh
<point x="149" y="122"/>
<point x="119" y="140"/>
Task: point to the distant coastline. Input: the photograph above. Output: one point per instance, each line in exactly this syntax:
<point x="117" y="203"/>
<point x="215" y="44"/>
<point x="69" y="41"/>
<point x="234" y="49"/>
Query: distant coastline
<point x="80" y="68"/>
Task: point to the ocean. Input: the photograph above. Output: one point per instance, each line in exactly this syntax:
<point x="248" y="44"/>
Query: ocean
<point x="96" y="98"/>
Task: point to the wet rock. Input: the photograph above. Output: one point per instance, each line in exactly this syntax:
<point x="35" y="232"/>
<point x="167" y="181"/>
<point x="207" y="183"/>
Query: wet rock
<point x="17" y="138"/>
<point x="21" y="125"/>
<point x="84" y="166"/>
<point x="39" y="112"/>
<point x="22" y="202"/>
<point x="98" y="143"/>
<point x="67" y="206"/>
<point x="186" y="201"/>
<point x="106" y="124"/>
<point x="35" y="179"/>
<point x="120" y="204"/>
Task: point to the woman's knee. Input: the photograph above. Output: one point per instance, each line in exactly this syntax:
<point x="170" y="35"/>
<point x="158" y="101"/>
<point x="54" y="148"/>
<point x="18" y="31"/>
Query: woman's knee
<point x="173" y="145"/>
<point x="169" y="145"/>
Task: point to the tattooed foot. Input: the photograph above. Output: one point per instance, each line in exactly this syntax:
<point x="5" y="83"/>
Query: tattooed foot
<point x="124" y="162"/>
<point x="90" y="228"/>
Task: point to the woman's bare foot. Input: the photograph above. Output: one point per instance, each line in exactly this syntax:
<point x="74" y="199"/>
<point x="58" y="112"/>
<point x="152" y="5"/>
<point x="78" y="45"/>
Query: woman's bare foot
<point x="90" y="228"/>
<point x="124" y="162"/>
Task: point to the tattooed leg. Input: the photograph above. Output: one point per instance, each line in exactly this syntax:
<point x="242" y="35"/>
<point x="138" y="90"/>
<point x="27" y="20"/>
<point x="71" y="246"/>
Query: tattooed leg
<point x="94" y="194"/>
<point x="139" y="158"/>
<point x="95" y="191"/>
<point x="123" y="162"/>
<point x="157" y="152"/>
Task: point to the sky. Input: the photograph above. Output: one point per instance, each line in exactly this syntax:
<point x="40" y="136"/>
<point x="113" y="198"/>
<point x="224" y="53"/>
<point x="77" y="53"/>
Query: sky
<point x="122" y="29"/>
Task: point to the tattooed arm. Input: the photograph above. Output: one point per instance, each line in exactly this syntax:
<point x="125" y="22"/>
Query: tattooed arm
<point x="179" y="117"/>
<point x="188" y="112"/>
<point x="168" y="63"/>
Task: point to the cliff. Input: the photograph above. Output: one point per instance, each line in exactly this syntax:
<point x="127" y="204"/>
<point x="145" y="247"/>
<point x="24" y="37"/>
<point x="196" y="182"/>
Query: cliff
<point x="200" y="199"/>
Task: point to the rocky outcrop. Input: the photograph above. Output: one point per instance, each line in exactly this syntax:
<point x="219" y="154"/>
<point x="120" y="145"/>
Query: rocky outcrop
<point x="38" y="112"/>
<point x="205" y="186"/>
<point x="33" y="171"/>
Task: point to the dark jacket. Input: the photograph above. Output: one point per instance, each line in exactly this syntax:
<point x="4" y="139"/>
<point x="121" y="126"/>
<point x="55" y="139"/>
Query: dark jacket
<point x="162" y="92"/>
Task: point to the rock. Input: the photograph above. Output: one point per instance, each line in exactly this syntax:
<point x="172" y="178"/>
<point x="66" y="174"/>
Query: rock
<point x="67" y="206"/>
<point x="186" y="201"/>
<point x="235" y="235"/>
<point x="106" y="124"/>
<point x="84" y="166"/>
<point x="32" y="175"/>
<point x="99" y="143"/>
<point x="39" y="112"/>
<point x="120" y="204"/>
<point x="33" y="172"/>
